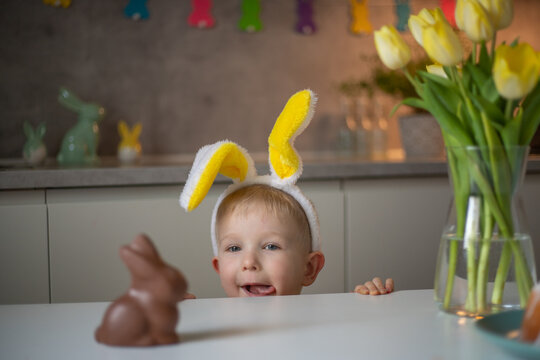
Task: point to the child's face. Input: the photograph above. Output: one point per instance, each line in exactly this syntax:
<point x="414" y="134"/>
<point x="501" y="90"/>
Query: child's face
<point x="260" y="254"/>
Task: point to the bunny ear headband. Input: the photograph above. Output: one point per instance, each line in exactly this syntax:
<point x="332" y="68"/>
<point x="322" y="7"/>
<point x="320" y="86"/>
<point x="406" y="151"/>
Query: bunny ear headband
<point x="234" y="162"/>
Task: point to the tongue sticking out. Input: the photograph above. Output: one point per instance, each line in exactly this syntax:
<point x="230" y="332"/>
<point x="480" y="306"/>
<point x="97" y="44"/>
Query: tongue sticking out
<point x="260" y="290"/>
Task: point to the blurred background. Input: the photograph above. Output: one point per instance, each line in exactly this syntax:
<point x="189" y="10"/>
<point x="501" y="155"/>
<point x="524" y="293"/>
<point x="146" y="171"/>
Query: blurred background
<point x="190" y="86"/>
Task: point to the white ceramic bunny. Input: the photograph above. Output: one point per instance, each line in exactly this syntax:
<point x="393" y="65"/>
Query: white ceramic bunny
<point x="79" y="146"/>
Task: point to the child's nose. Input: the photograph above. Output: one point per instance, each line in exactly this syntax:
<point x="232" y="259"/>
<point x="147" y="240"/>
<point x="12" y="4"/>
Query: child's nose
<point x="250" y="262"/>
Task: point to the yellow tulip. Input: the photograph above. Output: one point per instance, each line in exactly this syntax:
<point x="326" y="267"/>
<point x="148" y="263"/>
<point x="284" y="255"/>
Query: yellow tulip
<point x="501" y="12"/>
<point x="441" y="42"/>
<point x="425" y="18"/>
<point x="436" y="70"/>
<point x="515" y="70"/>
<point x="392" y="49"/>
<point x="474" y="20"/>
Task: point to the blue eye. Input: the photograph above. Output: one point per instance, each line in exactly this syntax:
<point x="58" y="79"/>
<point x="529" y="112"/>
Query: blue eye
<point x="233" y="248"/>
<point x="271" y="247"/>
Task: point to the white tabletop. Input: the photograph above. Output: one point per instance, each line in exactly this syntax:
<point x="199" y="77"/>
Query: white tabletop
<point x="402" y="325"/>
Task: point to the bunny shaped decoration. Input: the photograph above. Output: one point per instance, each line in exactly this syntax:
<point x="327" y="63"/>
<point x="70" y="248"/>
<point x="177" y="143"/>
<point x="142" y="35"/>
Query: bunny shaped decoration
<point x="147" y="313"/>
<point x="201" y="16"/>
<point x="79" y="145"/>
<point x="360" y="23"/>
<point x="129" y="148"/>
<point x="34" y="150"/>
<point x="250" y="20"/>
<point x="305" y="23"/>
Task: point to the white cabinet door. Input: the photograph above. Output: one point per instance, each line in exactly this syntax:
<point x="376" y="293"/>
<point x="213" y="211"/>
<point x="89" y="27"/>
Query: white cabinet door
<point x="88" y="226"/>
<point x="393" y="229"/>
<point x="328" y="200"/>
<point x="24" y="267"/>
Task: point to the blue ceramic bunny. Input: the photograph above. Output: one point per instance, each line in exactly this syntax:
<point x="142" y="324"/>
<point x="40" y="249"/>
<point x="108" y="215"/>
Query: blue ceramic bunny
<point x="34" y="150"/>
<point x="79" y="146"/>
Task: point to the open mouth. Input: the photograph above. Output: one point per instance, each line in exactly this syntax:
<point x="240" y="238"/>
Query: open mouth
<point x="259" y="290"/>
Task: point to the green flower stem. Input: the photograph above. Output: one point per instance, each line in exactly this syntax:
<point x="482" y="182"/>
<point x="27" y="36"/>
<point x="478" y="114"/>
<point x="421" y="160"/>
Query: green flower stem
<point x="490" y="197"/>
<point x="493" y="43"/>
<point x="476" y="122"/>
<point x="460" y="200"/>
<point x="521" y="264"/>
<point x="483" y="261"/>
<point x="502" y="271"/>
<point x="452" y="263"/>
<point x="508" y="109"/>
<point x="470" y="304"/>
<point x="520" y="276"/>
<point x="523" y="276"/>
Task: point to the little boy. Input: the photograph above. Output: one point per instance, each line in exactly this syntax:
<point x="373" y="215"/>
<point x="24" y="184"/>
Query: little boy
<point x="264" y="246"/>
<point x="265" y="231"/>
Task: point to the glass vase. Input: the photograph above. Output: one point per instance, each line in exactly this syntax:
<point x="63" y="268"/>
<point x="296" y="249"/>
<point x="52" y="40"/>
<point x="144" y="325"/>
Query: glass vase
<point x="486" y="260"/>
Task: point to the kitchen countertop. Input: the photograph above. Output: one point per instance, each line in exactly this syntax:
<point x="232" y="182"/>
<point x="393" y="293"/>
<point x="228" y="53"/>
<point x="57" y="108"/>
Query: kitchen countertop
<point x="174" y="169"/>
<point x="402" y="325"/>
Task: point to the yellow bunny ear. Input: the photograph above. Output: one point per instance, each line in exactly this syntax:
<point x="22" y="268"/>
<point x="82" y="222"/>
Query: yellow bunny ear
<point x="224" y="157"/>
<point x="137" y="128"/>
<point x="123" y="129"/>
<point x="295" y="117"/>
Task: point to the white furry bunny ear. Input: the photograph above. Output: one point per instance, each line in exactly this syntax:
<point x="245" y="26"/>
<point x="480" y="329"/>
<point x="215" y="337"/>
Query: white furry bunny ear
<point x="224" y="157"/>
<point x="285" y="162"/>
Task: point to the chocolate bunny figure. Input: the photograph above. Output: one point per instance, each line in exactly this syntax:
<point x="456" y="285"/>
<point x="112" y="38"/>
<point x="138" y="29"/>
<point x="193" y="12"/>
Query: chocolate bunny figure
<point x="147" y="313"/>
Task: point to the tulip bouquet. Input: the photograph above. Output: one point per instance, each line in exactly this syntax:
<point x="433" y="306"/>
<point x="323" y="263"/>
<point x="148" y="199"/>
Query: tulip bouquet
<point x="488" y="100"/>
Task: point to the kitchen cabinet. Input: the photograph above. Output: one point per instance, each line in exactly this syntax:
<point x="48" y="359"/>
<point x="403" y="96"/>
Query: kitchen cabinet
<point x="61" y="245"/>
<point x="393" y="227"/>
<point x="87" y="227"/>
<point x="24" y="264"/>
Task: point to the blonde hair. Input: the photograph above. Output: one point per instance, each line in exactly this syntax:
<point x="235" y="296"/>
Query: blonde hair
<point x="277" y="202"/>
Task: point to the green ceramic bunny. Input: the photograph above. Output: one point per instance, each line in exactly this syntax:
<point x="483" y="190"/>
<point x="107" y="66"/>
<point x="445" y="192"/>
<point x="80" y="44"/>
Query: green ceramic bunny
<point x="79" y="146"/>
<point x="34" y="150"/>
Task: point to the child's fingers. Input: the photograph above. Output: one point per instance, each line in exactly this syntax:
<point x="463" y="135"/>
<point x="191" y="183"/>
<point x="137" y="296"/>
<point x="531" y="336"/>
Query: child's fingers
<point x="390" y="285"/>
<point x="372" y="288"/>
<point x="379" y="285"/>
<point x="361" y="289"/>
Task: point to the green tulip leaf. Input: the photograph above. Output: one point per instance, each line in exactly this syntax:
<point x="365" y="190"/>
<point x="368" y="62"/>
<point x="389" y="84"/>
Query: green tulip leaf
<point x="492" y="111"/>
<point x="510" y="133"/>
<point x="413" y="102"/>
<point x="427" y="77"/>
<point x="489" y="90"/>
<point x="446" y="119"/>
<point x="531" y="115"/>
<point x="478" y="76"/>
<point x="484" y="61"/>
<point x="450" y="99"/>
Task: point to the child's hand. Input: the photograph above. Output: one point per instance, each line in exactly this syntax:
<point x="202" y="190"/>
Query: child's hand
<point x="375" y="287"/>
<point x="189" y="296"/>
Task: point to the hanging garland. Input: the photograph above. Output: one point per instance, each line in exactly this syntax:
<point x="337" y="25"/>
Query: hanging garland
<point x="250" y="21"/>
<point x="403" y="11"/>
<point x="360" y="17"/>
<point x="200" y="16"/>
<point x="136" y="10"/>
<point x="448" y="8"/>
<point x="305" y="23"/>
